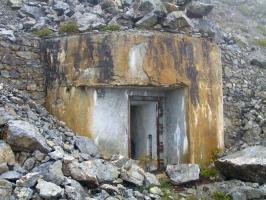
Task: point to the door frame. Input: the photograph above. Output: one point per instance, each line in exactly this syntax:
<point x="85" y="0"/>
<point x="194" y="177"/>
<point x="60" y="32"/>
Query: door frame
<point x="159" y="101"/>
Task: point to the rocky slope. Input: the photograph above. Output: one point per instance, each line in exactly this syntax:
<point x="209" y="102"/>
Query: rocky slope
<point x="42" y="159"/>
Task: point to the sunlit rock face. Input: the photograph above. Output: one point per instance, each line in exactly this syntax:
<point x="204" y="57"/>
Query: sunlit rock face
<point x="90" y="79"/>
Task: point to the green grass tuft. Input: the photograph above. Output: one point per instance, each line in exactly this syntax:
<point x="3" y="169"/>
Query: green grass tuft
<point x="43" y="32"/>
<point x="261" y="42"/>
<point x="262" y="29"/>
<point x="221" y="196"/>
<point x="112" y="27"/>
<point x="209" y="172"/>
<point x="70" y="27"/>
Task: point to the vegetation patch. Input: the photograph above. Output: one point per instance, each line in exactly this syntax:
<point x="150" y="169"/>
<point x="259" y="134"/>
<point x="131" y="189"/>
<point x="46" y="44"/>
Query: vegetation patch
<point x="43" y="32"/>
<point x="209" y="172"/>
<point x="70" y="27"/>
<point x="221" y="196"/>
<point x="111" y="27"/>
<point x="261" y="42"/>
<point x="262" y="29"/>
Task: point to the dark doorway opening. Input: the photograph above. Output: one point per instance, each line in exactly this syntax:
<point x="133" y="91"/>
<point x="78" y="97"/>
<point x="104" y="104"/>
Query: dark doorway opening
<point x="145" y="140"/>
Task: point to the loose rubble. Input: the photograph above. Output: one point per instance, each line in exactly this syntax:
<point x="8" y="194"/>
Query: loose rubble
<point x="43" y="159"/>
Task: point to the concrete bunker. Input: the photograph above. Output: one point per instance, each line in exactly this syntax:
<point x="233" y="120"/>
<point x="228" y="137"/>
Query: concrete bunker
<point x="139" y="94"/>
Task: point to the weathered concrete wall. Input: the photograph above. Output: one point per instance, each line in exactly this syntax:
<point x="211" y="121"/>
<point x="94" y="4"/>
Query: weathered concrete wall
<point x="79" y="62"/>
<point x="20" y="65"/>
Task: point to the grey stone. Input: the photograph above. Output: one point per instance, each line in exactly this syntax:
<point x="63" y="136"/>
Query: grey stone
<point x="5" y="189"/>
<point x="177" y="20"/>
<point x="183" y="173"/>
<point x="8" y="33"/>
<point x="197" y="9"/>
<point x="10" y="175"/>
<point x="23" y="193"/>
<point x="110" y="6"/>
<point x="29" y="180"/>
<point x="6" y="154"/>
<point x="15" y="3"/>
<point x="151" y="179"/>
<point x="88" y="20"/>
<point x="58" y="153"/>
<point x="85" y="145"/>
<point x="247" y="165"/>
<point x="140" y="8"/>
<point x="60" y="7"/>
<point x="132" y="173"/>
<point x="23" y="136"/>
<point x="80" y="172"/>
<point x="29" y="164"/>
<point x="3" y="167"/>
<point x="156" y="190"/>
<point x="147" y="21"/>
<point x="55" y="173"/>
<point x="75" y="191"/>
<point x="112" y="190"/>
<point x="33" y="11"/>
<point x="49" y="190"/>
<point x="258" y="63"/>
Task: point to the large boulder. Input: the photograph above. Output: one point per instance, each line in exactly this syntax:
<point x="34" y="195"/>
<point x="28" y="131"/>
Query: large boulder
<point x="6" y="154"/>
<point x="183" y="173"/>
<point x="248" y="164"/>
<point x="85" y="145"/>
<point x="23" y="136"/>
<point x="197" y="9"/>
<point x="75" y="191"/>
<point x="86" y="21"/>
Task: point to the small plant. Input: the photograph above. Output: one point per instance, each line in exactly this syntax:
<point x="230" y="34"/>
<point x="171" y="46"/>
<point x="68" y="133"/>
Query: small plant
<point x="69" y="27"/>
<point x="261" y="42"/>
<point x="221" y="196"/>
<point x="43" y="32"/>
<point x="209" y="172"/>
<point x="111" y="27"/>
<point x="262" y="29"/>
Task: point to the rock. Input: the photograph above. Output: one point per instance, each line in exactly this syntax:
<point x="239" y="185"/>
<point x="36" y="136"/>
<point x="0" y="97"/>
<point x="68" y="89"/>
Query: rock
<point x="75" y="191"/>
<point x="156" y="190"/>
<point x="15" y="3"/>
<point x="85" y="145"/>
<point x="33" y="11"/>
<point x="247" y="165"/>
<point x="182" y="2"/>
<point x="10" y="175"/>
<point x="55" y="173"/>
<point x="23" y="136"/>
<point x="29" y="164"/>
<point x="132" y="173"/>
<point x="256" y="62"/>
<point x="197" y="9"/>
<point x="151" y="179"/>
<point x="3" y="167"/>
<point x="5" y="189"/>
<point x="112" y="190"/>
<point x="60" y="7"/>
<point x="49" y="190"/>
<point x="8" y="33"/>
<point x="6" y="154"/>
<point x="183" y="173"/>
<point x="86" y="21"/>
<point x="177" y="20"/>
<point x="110" y="6"/>
<point x="147" y="21"/>
<point x="80" y="172"/>
<point x="140" y="8"/>
<point x="29" y="180"/>
<point x="58" y="153"/>
<point x="23" y="193"/>
<point x="170" y="7"/>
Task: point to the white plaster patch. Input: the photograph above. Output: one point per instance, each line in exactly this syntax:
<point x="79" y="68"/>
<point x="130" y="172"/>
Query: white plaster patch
<point x="135" y="62"/>
<point x="95" y="97"/>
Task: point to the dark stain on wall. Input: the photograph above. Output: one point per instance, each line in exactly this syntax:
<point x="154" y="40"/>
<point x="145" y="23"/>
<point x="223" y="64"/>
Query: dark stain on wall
<point x="106" y="61"/>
